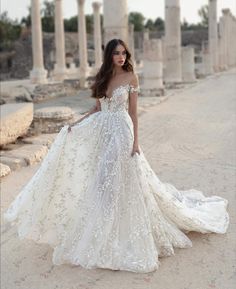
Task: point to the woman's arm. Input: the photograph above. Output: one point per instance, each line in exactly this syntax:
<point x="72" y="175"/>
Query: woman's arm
<point x="133" y="98"/>
<point x="95" y="108"/>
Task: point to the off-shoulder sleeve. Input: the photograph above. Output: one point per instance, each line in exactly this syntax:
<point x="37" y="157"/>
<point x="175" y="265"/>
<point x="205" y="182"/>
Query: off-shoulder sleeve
<point x="134" y="85"/>
<point x="133" y="88"/>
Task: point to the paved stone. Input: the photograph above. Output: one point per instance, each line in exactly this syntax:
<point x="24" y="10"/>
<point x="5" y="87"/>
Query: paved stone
<point x="190" y="142"/>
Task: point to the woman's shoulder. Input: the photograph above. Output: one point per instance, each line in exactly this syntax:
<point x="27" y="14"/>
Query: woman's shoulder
<point x="132" y="77"/>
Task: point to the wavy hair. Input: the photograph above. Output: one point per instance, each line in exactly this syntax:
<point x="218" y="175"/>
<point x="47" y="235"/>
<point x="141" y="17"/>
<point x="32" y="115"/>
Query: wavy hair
<point x="105" y="72"/>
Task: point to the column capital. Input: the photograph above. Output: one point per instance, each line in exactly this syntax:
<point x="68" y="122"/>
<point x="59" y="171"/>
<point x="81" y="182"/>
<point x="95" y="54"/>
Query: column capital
<point x="172" y="3"/>
<point x="96" y="6"/>
<point x="81" y="2"/>
<point x="226" y="11"/>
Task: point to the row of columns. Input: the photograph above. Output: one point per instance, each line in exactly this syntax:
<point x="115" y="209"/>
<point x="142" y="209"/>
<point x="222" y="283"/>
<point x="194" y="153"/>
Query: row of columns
<point x="38" y="73"/>
<point x="178" y="62"/>
<point x="219" y="53"/>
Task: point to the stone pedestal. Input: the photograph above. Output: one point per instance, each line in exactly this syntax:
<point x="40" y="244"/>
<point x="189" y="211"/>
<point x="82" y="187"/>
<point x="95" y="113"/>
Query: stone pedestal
<point x="213" y="35"/>
<point x="60" y="66"/>
<point x="97" y="35"/>
<point x="83" y="55"/>
<point x="188" y="65"/>
<point x="38" y="74"/>
<point x="52" y="119"/>
<point x="115" y="20"/>
<point x="173" y="71"/>
<point x="152" y="68"/>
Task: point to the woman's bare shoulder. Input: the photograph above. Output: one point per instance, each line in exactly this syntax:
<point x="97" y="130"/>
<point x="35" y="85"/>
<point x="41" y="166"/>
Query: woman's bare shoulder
<point x="133" y="79"/>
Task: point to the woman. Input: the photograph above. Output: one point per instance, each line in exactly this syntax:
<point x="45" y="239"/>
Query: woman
<point x="96" y="200"/>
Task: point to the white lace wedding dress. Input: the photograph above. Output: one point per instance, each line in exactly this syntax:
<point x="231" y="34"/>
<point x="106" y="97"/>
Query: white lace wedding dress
<point x="98" y="206"/>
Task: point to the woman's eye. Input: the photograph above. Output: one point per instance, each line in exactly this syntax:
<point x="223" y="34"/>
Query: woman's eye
<point x="124" y="53"/>
<point x="116" y="53"/>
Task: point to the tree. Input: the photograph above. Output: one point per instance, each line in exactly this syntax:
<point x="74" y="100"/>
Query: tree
<point x="48" y="14"/>
<point x="137" y="19"/>
<point x="150" y="25"/>
<point x="159" y="24"/>
<point x="71" y="24"/>
<point x="203" y="14"/>
<point x="9" y="31"/>
<point x="89" y="23"/>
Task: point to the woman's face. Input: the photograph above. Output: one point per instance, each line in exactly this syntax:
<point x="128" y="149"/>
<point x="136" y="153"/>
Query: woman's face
<point x="119" y="55"/>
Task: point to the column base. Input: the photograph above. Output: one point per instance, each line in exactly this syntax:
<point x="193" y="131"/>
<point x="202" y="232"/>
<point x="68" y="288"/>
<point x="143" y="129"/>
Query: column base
<point x="59" y="73"/>
<point x="38" y="75"/>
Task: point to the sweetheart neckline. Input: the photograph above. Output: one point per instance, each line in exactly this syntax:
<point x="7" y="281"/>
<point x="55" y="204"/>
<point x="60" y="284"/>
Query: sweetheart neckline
<point x="122" y="85"/>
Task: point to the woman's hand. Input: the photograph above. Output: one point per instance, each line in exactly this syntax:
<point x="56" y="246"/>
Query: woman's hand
<point x="135" y="149"/>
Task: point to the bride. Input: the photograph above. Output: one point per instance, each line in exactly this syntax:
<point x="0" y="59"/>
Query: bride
<point x="95" y="199"/>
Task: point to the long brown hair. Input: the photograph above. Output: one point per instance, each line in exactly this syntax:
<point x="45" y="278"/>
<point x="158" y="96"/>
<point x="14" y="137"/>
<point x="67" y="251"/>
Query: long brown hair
<point x="104" y="74"/>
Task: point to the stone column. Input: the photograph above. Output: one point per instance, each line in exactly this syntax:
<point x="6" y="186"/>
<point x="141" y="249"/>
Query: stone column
<point x="205" y="67"/>
<point x="152" y="68"/>
<point x="146" y="34"/>
<point x="213" y="35"/>
<point x="38" y="74"/>
<point x="83" y="56"/>
<point x="226" y="36"/>
<point x="115" y="20"/>
<point x="60" y="66"/>
<point x="97" y="34"/>
<point x="222" y="44"/>
<point x="232" y="34"/>
<point x="131" y="42"/>
<point x="173" y="71"/>
<point x="234" y="39"/>
<point x="188" y="64"/>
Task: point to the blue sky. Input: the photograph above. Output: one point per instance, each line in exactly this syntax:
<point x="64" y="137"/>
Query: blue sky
<point x="149" y="8"/>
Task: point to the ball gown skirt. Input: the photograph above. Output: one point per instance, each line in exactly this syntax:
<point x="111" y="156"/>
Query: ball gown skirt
<point x="99" y="207"/>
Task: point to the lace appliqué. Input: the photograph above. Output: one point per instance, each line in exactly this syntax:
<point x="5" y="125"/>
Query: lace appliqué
<point x="133" y="88"/>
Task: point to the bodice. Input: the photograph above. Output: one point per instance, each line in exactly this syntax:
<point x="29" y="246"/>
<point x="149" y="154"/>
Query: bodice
<point x="118" y="100"/>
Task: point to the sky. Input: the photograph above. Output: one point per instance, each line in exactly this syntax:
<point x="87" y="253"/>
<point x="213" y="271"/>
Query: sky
<point x="149" y="8"/>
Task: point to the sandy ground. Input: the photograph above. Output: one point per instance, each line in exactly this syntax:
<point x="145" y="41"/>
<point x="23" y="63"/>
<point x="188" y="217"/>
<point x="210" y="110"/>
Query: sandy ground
<point x="190" y="141"/>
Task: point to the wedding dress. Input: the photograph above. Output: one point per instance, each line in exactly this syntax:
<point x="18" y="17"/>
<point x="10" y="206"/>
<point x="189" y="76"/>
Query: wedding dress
<point x="97" y="206"/>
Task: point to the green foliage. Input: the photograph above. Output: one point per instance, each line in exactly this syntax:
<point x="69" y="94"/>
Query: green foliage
<point x="203" y="13"/>
<point x="9" y="31"/>
<point x="89" y="23"/>
<point x="48" y="14"/>
<point x="150" y="25"/>
<point x="71" y="24"/>
<point x="157" y="25"/>
<point x="137" y="19"/>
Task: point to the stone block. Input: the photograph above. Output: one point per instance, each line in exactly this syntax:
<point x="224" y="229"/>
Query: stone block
<point x="4" y="170"/>
<point x="13" y="163"/>
<point x="15" y="121"/>
<point x="52" y="119"/>
<point x="42" y="139"/>
<point x="31" y="154"/>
